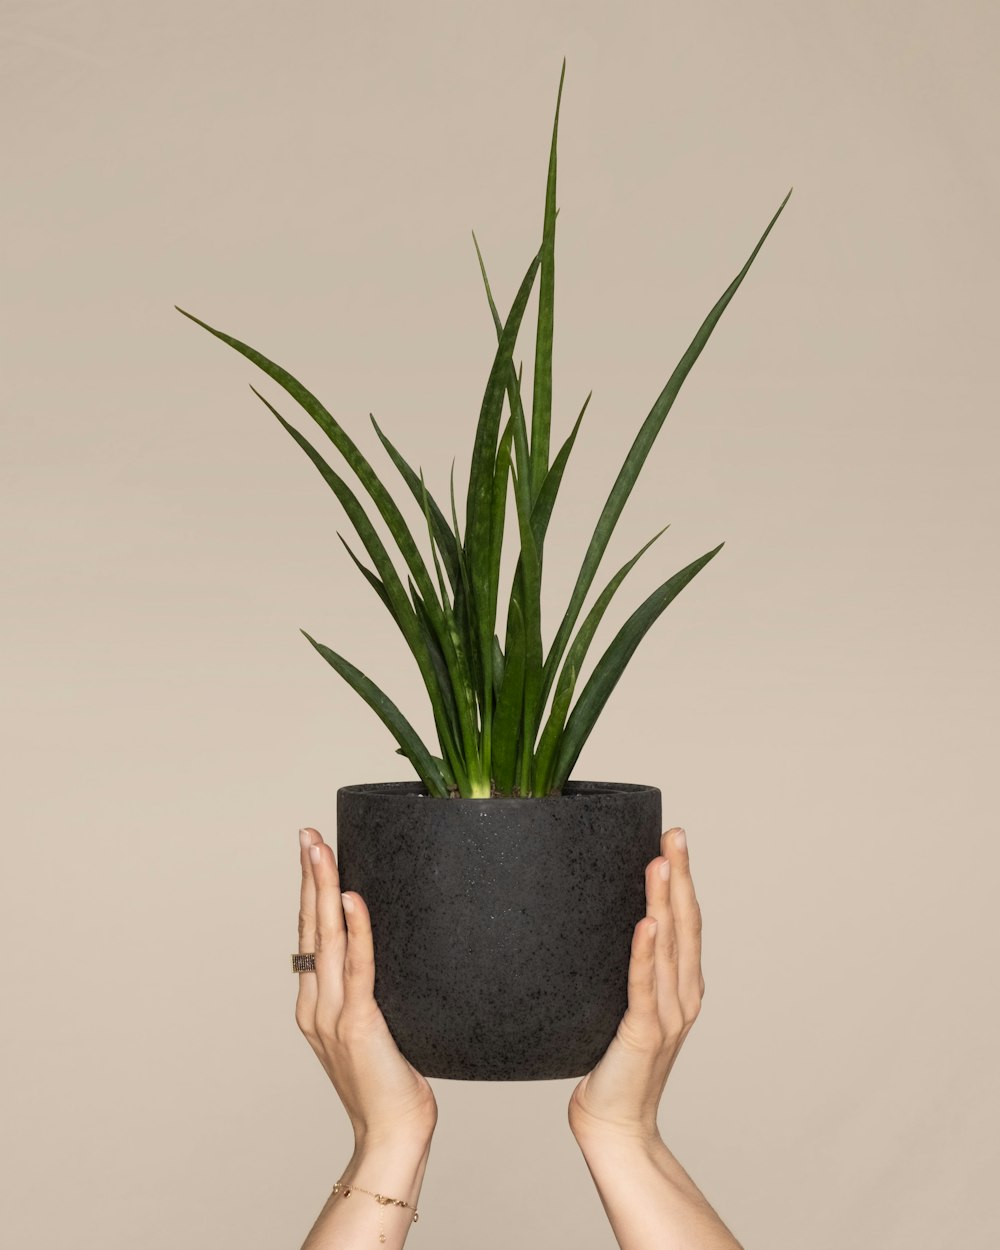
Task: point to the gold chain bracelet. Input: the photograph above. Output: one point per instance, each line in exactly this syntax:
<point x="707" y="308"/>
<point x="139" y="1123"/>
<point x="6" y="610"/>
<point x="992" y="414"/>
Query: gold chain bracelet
<point x="381" y="1199"/>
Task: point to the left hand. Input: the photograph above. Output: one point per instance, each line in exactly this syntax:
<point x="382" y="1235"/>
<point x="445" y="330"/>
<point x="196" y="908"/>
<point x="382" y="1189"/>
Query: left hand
<point x="384" y="1095"/>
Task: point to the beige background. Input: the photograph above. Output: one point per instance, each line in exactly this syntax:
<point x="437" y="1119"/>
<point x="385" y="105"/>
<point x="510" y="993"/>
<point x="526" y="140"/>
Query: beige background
<point x="818" y="708"/>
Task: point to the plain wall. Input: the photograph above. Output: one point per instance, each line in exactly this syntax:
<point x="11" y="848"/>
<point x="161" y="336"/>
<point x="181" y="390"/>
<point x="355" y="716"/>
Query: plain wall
<point x="818" y="707"/>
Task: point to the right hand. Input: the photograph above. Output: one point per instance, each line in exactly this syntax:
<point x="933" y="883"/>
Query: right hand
<point x="665" y="988"/>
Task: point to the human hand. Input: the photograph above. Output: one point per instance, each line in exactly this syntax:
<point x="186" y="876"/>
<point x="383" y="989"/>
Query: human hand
<point x="665" y="988"/>
<point x="386" y="1098"/>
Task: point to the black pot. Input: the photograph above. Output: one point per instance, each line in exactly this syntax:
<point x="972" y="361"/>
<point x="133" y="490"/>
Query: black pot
<point x="502" y="926"/>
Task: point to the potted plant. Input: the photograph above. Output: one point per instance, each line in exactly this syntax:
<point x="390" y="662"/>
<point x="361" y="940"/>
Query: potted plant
<point x="502" y="914"/>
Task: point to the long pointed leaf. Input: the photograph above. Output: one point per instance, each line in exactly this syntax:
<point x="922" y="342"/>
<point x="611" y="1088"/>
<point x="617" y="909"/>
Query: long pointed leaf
<point x="506" y="721"/>
<point x="390" y="715"/>
<point x="448" y="743"/>
<point x="541" y="403"/>
<point x="541" y="511"/>
<point x="382" y="499"/>
<point x="498" y="667"/>
<point x="404" y="612"/>
<point x="634" y="461"/>
<point x="442" y="530"/>
<point x="376" y="582"/>
<point x="549" y="742"/>
<point x="530" y="596"/>
<point x="480" y="494"/>
<point x="522" y="450"/>
<point x="442" y="764"/>
<point x="612" y="663"/>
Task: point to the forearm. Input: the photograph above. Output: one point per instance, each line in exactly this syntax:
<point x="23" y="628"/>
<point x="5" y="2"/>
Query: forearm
<point x="395" y="1169"/>
<point x="650" y="1200"/>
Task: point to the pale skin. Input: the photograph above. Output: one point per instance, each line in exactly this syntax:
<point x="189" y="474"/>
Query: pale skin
<point x="650" y="1200"/>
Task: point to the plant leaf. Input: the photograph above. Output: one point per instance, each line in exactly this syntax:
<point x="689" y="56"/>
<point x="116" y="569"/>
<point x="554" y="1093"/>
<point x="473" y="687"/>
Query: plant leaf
<point x="457" y="663"/>
<point x="498" y="665"/>
<point x="442" y="530"/>
<point x="541" y="511"/>
<point x="541" y="403"/>
<point x="523" y="454"/>
<point x="391" y="717"/>
<point x="634" y="461"/>
<point x="612" y="663"/>
<point x="484" y="453"/>
<point x="506" y="720"/>
<point x="528" y="594"/>
<point x="375" y="581"/>
<point x="574" y="664"/>
<point x="442" y="764"/>
<point x="404" y="612"/>
<point x="549" y="742"/>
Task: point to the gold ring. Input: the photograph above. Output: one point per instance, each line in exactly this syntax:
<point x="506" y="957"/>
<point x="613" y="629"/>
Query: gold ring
<point x="304" y="963"/>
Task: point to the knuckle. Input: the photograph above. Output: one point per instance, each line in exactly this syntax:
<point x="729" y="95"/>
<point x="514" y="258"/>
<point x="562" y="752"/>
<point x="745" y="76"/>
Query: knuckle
<point x="306" y="1020"/>
<point x="691" y="1010"/>
<point x="327" y="1023"/>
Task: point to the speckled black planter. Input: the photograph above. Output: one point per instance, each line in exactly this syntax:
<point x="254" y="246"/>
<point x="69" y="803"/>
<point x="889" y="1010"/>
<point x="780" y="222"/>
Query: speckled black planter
<point x="502" y="927"/>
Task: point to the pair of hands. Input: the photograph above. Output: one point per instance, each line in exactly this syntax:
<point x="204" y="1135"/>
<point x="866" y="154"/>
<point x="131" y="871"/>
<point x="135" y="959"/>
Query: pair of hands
<point x="385" y="1096"/>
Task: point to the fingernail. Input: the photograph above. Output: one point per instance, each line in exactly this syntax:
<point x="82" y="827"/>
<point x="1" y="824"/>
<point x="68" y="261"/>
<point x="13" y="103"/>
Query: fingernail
<point x="304" y="838"/>
<point x="680" y="839"/>
<point x="348" y="902"/>
<point x="314" y="854"/>
<point x="665" y="869"/>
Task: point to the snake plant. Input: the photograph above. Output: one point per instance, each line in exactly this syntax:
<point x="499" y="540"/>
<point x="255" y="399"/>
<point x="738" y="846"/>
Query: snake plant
<point x="488" y="700"/>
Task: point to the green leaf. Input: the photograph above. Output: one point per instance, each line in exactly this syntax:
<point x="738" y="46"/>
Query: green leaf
<point x="506" y="720"/>
<point x="391" y="717"/>
<point x="484" y="453"/>
<point x="498" y="664"/>
<point x="522" y="452"/>
<point x="612" y="663"/>
<point x="528" y="594"/>
<point x="574" y="664"/>
<point x="442" y="764"/>
<point x="403" y="610"/>
<point x="386" y="505"/>
<point x="541" y="403"/>
<point x="541" y="510"/>
<point x="549" y="742"/>
<point x="341" y="440"/>
<point x="488" y="614"/>
<point x="634" y="461"/>
<point x="375" y="581"/>
<point x="464" y="604"/>
<point x="440" y="666"/>
<point x="442" y="530"/>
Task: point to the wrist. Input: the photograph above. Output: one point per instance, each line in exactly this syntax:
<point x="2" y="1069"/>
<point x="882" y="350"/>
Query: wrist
<point x="400" y="1143"/>
<point x="591" y="1131"/>
<point x="593" y="1137"/>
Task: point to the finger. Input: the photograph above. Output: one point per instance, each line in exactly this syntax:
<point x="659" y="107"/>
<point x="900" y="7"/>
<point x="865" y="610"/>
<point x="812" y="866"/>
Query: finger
<point x="305" y="1003"/>
<point x="330" y="936"/>
<point x="687" y="921"/>
<point x="359" y="962"/>
<point x="642" y="971"/>
<point x="665" y="943"/>
<point x="658" y="904"/>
